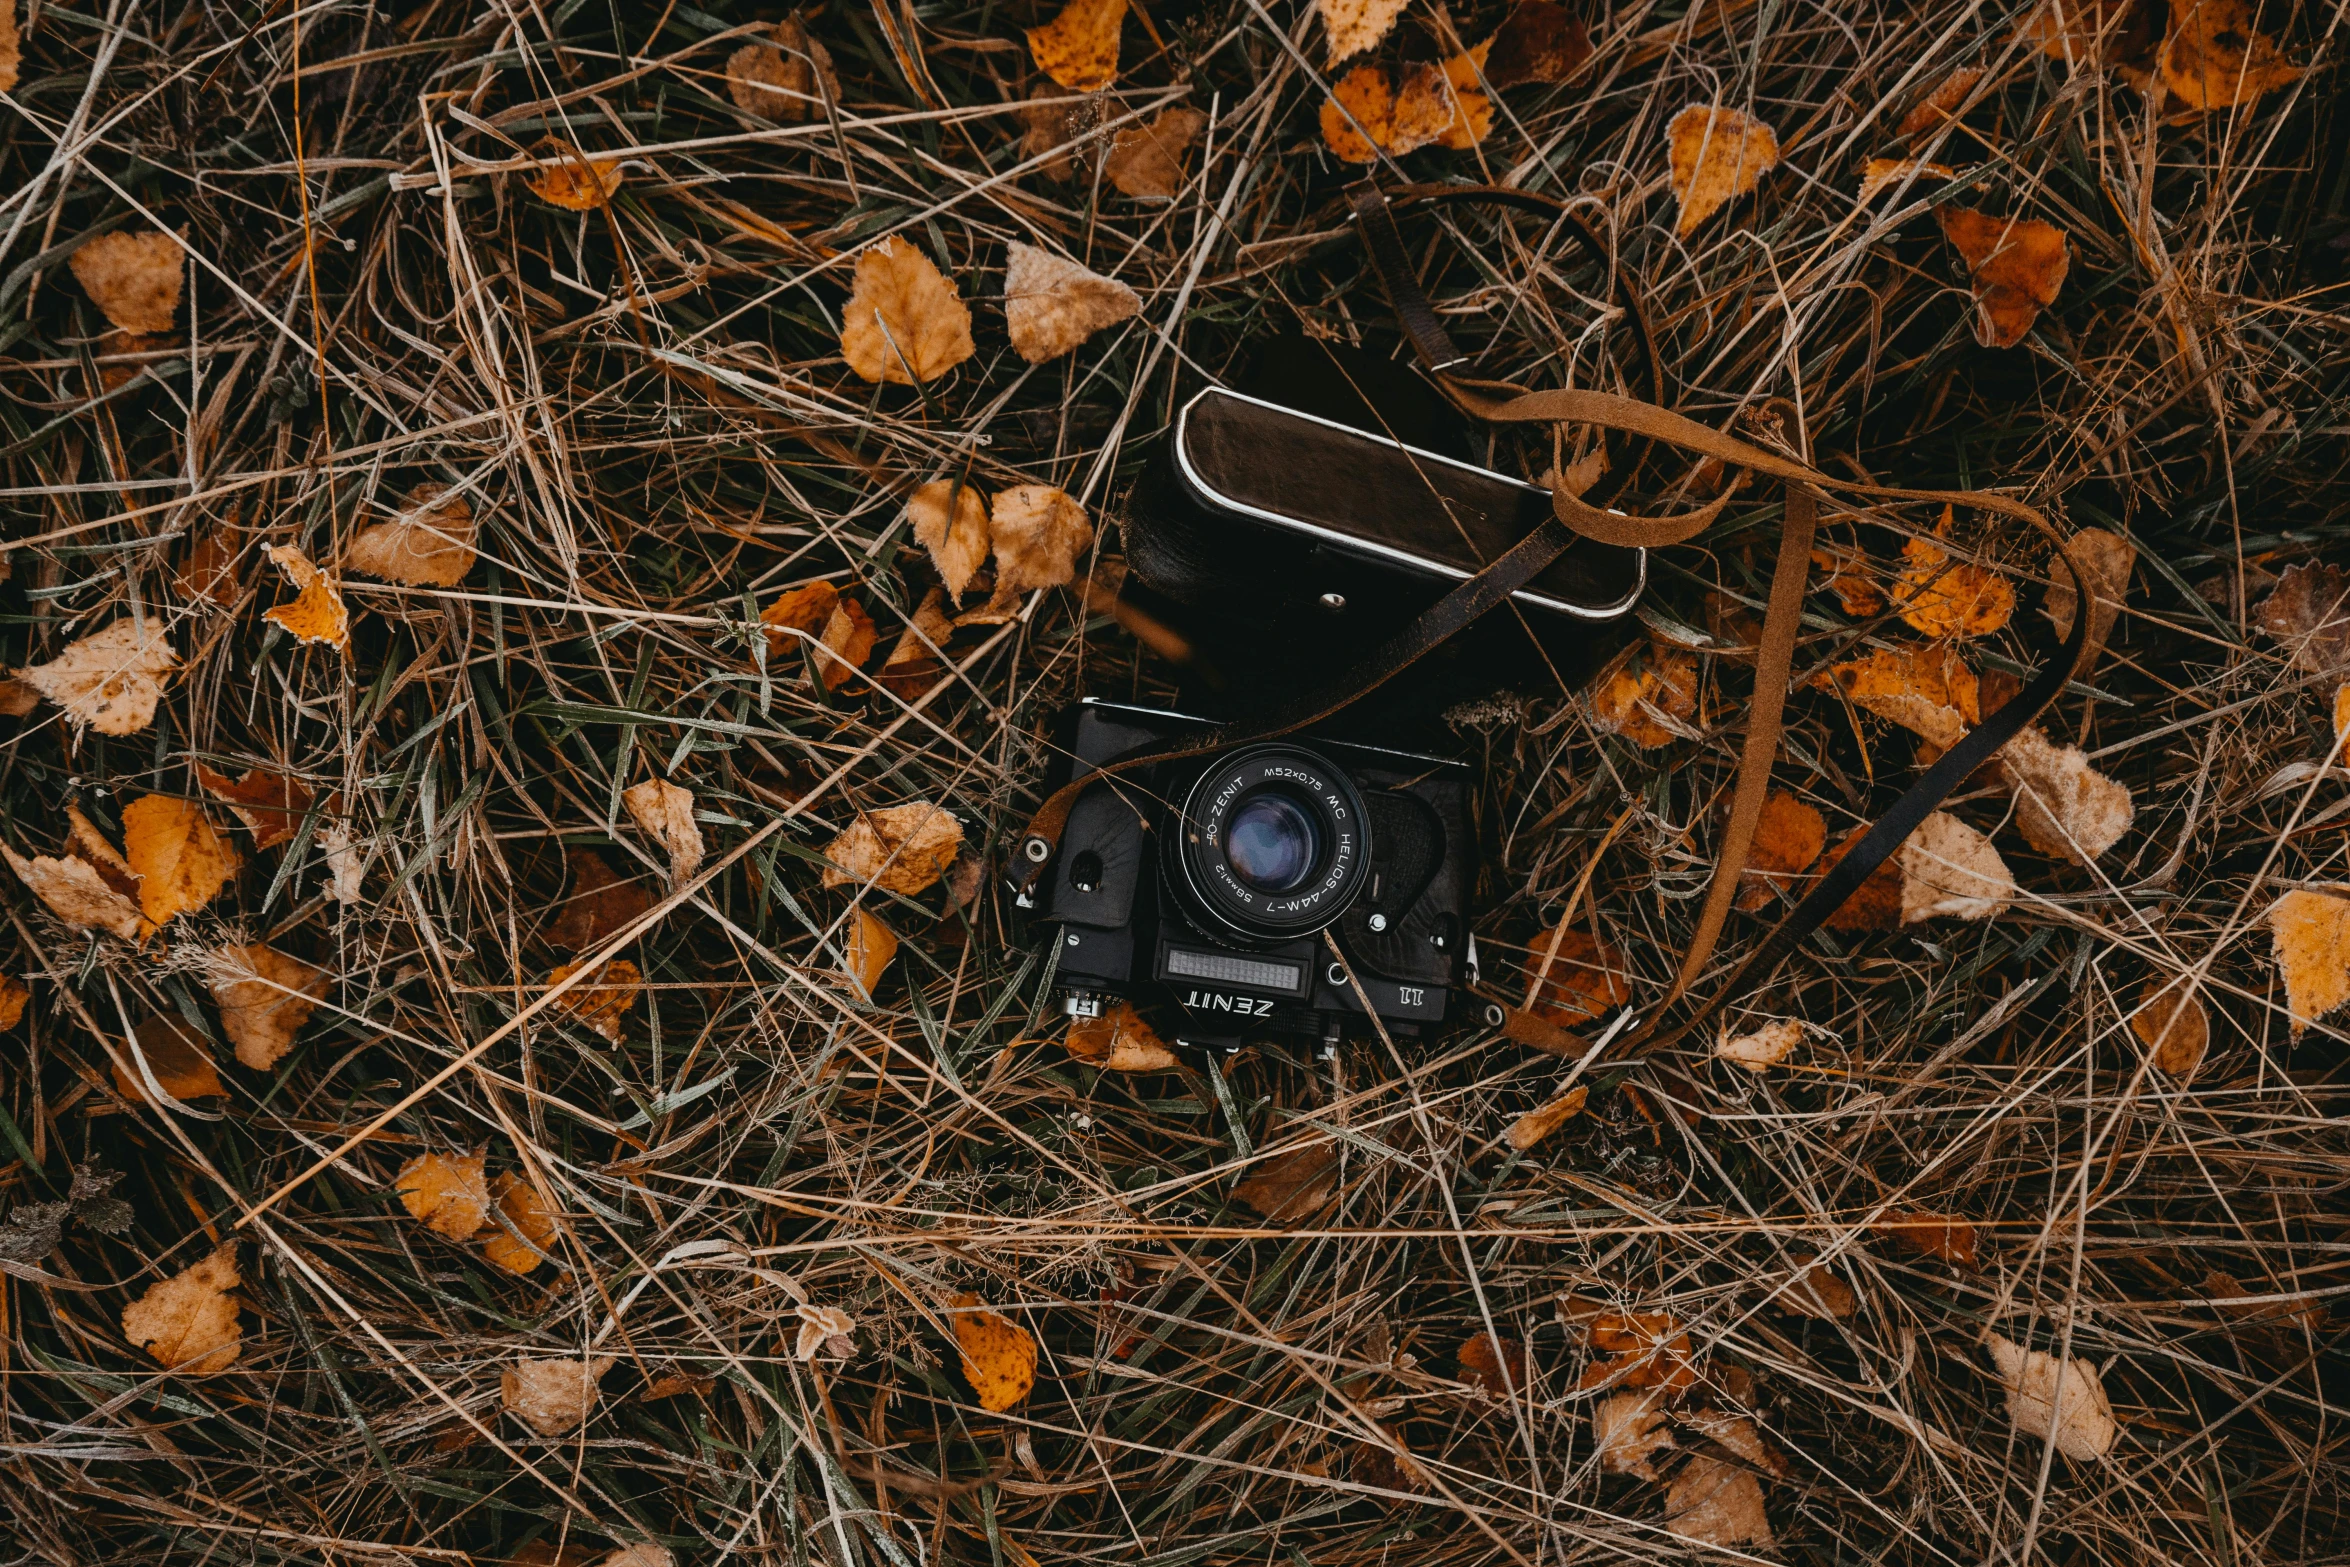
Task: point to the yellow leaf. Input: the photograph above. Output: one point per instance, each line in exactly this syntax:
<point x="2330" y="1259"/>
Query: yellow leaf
<point x="109" y="680"/>
<point x="525" y="1227"/>
<point x="665" y="814"/>
<point x="2216" y="57"/>
<point x="188" y="1322"/>
<point x="1079" y="47"/>
<point x="903" y="848"/>
<point x="2017" y="266"/>
<point x="1370" y="111"/>
<point x="871" y="945"/>
<point x="1052" y="305"/>
<point x="954" y="530"/>
<point x="573" y="181"/>
<point x="1355" y="25"/>
<point x="1789" y="837"/>
<point x="553" y="1396"/>
<point x="1039" y="533"/>
<point x="1644" y="699"/>
<point x="1927" y="690"/>
<point x="2311" y="934"/>
<point x="179" y="860"/>
<point x="999" y="1356"/>
<point x="14" y="997"/>
<point x="904" y="321"/>
<point x="789" y="79"/>
<point x="317" y="613"/>
<point x="2061" y="1402"/>
<point x="2173" y="1024"/>
<point x="448" y="1193"/>
<point x="1536" y="1124"/>
<point x="264" y="997"/>
<point x="429" y="541"/>
<point x="603" y="1000"/>
<point x="1118" y="1041"/>
<point x="1717" y="156"/>
<point x="2063" y="806"/>
<point x="133" y="279"/>
<point x="1882" y="174"/>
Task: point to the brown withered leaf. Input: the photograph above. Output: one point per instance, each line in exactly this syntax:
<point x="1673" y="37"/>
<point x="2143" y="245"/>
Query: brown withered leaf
<point x="271" y="805"/>
<point x="1052" y="305"/>
<point x="1495" y="1366"/>
<point x="2017" y="266"/>
<point x="1760" y="1049"/>
<point x="1054" y="126"/>
<point x="2107" y="559"/>
<point x="17" y="698"/>
<point x="11" y="46"/>
<point x="264" y="998"/>
<point x="175" y="1055"/>
<point x="1079" y="47"/>
<point x="602" y="1000"/>
<point x="447" y="1193"/>
<point x="14" y="996"/>
<point x="2096" y="35"/>
<point x="1789" y="838"/>
<point x="1146" y="161"/>
<point x="1813" y="1291"/>
<point x="553" y="1396"/>
<point x="664" y="813"/>
<point x="1940" y="107"/>
<point x="1851" y="576"/>
<point x="79" y="892"/>
<point x="188" y="1322"/>
<point x="600" y="905"/>
<point x="1629" y="1430"/>
<point x="2063" y="806"/>
<point x="1876" y="903"/>
<point x="1951" y="871"/>
<point x="915" y="663"/>
<point x="1928" y="690"/>
<point x="180" y="861"/>
<point x="788" y="79"/>
<point x="109" y="680"/>
<point x="1882" y="174"/>
<point x="572" y="180"/>
<point x="428" y="541"/>
<point x="1946" y="598"/>
<point x="1118" y="1041"/>
<point x="2174" y="1025"/>
<point x="1941" y="1236"/>
<point x="1716" y="1502"/>
<point x="1292" y="1186"/>
<point x="1572" y="978"/>
<point x="2062" y="1402"/>
<point x="2216" y="57"/>
<point x="904" y="322"/>
<point x="1637" y="1349"/>
<point x="2308" y="611"/>
<point x="902" y="848"/>
<point x="2311" y="935"/>
<point x="1539" y="41"/>
<point x="133" y="279"/>
<point x="1717" y="156"/>
<point x="1528" y="1130"/>
<point x="950" y="521"/>
<point x="525" y="1227"/>
<point x="1356" y="25"/>
<point x="207" y="572"/>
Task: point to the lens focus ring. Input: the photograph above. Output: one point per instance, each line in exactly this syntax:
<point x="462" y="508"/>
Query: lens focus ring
<point x="1273" y="843"/>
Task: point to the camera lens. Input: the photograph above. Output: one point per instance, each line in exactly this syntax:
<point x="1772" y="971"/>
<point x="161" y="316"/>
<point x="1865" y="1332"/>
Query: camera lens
<point x="1272" y="844"/>
<point x="1271" y="841"/>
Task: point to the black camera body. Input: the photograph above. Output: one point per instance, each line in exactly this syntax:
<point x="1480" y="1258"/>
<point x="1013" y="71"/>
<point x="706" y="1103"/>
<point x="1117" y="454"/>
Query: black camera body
<point x="1219" y="884"/>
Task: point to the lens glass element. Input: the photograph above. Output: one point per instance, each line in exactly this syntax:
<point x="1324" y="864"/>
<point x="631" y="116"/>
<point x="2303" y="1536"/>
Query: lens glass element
<point x="1272" y="842"/>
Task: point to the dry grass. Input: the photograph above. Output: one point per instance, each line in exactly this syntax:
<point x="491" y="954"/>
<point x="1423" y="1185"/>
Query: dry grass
<point x="648" y="408"/>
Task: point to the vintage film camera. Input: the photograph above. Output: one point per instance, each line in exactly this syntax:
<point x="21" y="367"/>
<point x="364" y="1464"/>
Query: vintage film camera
<point x="1220" y="882"/>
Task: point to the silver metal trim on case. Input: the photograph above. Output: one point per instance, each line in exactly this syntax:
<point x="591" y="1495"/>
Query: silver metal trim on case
<point x="1405" y="557"/>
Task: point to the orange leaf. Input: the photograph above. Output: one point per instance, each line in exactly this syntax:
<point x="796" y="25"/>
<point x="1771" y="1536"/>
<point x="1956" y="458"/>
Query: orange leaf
<point x="264" y="998"/>
<point x="903" y="848"/>
<point x="133" y="279"/>
<point x="1539" y="41"/>
<point x="1882" y="174"/>
<point x="446" y="1192"/>
<point x="1936" y="1235"/>
<point x="1946" y="599"/>
<point x="1493" y="1365"/>
<point x="1432" y="103"/>
<point x="2174" y="1026"/>
<point x="1876" y="903"/>
<point x="871" y="945"/>
<point x="188" y="1322"/>
<point x="1640" y="1349"/>
<point x="2017" y="264"/>
<point x="1146" y="161"/>
<point x="1531" y="1128"/>
<point x="1641" y="699"/>
<point x="1788" y="837"/>
<point x="1118" y="1041"/>
<point x="271" y="805"/>
<point x="179" y="860"/>
<point x="429" y="541"/>
<point x="2216" y="57"/>
<point x="950" y="521"/>
<point x="600" y="905"/>
<point x="1717" y="156"/>
<point x="602" y="1002"/>
<point x="1574" y="978"/>
<point x="1927" y="690"/>
<point x="1940" y="106"/>
<point x="1292" y="1186"/>
<point x="905" y="322"/>
<point x="317" y="613"/>
<point x="525" y="1227"/>
<point x="1079" y="47"/>
<point x="1039" y="532"/>
<point x="573" y="181"/>
<point x="999" y="1356"/>
<point x="176" y="1056"/>
<point x="14" y="997"/>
